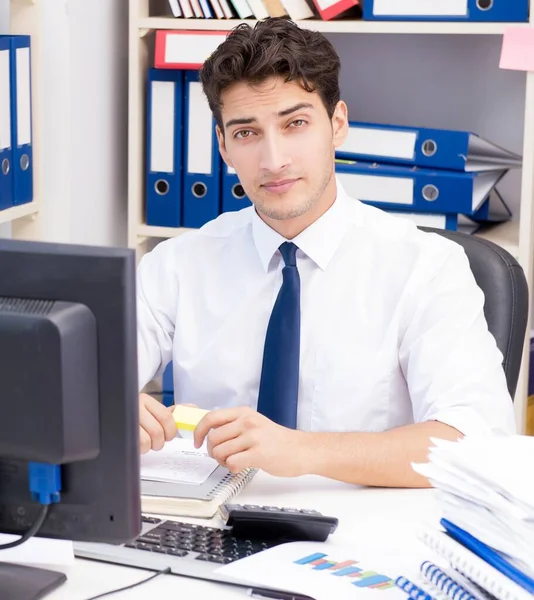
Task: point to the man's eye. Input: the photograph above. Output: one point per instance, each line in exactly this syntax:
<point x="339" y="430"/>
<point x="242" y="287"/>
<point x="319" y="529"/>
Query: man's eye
<point x="298" y="122"/>
<point x="245" y="133"/>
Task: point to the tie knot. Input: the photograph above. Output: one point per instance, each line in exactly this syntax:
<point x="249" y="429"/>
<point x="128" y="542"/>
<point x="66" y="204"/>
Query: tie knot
<point x="289" y="251"/>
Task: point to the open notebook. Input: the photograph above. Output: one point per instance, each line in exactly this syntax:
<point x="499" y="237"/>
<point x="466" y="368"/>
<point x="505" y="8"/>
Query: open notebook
<point x="181" y="480"/>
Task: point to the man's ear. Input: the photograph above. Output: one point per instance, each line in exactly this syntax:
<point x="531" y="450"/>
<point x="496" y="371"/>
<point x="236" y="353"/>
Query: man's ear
<point x="340" y="124"/>
<point x="222" y="146"/>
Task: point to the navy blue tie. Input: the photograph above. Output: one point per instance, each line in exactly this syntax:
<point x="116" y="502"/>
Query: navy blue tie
<point x="279" y="384"/>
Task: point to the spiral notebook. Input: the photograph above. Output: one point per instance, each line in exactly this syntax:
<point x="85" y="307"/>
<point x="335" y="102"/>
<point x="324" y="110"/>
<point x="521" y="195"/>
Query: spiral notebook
<point x="183" y="481"/>
<point x="439" y="582"/>
<point x="472" y="567"/>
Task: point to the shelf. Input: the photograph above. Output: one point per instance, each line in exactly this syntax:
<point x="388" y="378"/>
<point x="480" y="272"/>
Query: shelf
<point x="505" y="235"/>
<point x="151" y="231"/>
<point x="339" y="26"/>
<point x="18" y="212"/>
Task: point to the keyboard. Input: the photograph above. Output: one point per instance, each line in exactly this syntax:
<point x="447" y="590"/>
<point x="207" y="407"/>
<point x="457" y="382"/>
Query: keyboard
<point x="191" y="550"/>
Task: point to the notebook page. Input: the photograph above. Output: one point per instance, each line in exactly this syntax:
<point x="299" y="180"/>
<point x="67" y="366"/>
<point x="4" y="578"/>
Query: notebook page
<point x="178" y="462"/>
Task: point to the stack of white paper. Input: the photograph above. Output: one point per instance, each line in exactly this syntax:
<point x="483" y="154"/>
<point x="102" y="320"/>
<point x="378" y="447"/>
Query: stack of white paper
<point x="486" y="486"/>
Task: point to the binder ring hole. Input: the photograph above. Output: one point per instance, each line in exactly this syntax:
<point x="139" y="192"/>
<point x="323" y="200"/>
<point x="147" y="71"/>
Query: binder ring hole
<point x="5" y="166"/>
<point x="24" y="162"/>
<point x="199" y="190"/>
<point x="238" y="191"/>
<point x="162" y="187"/>
<point x="429" y="147"/>
<point x="430" y="193"/>
<point x="485" y="4"/>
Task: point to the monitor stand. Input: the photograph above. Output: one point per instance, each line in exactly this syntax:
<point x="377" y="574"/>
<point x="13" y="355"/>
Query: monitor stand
<point x="19" y="582"/>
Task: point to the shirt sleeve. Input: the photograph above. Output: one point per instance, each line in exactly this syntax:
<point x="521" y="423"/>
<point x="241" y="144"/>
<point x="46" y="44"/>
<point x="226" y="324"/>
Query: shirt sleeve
<point x="450" y="360"/>
<point x="157" y="297"/>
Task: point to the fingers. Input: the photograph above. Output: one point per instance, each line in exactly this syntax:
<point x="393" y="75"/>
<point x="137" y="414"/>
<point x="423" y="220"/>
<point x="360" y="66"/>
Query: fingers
<point x="217" y="418"/>
<point x="223" y="434"/>
<point x="152" y="427"/>
<point x="238" y="462"/>
<point x="164" y="417"/>
<point x="156" y="424"/>
<point x="145" y="443"/>
<point x="222" y="452"/>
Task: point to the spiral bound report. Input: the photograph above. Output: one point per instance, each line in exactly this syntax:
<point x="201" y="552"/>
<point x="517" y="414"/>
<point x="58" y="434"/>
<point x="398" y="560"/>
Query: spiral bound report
<point x="472" y="567"/>
<point x="453" y="585"/>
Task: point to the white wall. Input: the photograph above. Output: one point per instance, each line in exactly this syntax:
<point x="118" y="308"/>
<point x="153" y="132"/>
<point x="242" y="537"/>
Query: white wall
<point x="84" y="64"/>
<point x="435" y="81"/>
<point x="4" y="16"/>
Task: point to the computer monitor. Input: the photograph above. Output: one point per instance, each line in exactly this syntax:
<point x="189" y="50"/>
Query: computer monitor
<point x="68" y="372"/>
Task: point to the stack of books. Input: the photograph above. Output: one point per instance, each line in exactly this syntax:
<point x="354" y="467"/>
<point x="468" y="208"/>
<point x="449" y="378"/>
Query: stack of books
<point x="297" y="10"/>
<point x="435" y="177"/>
<point x="485" y="491"/>
<point x="369" y="10"/>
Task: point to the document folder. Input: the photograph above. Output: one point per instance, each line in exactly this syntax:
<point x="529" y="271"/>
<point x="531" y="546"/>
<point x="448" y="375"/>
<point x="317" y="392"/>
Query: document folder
<point x="233" y="194"/>
<point x="424" y="147"/>
<point x="202" y="175"/>
<point x="506" y="11"/>
<point x="6" y="152"/>
<point x="21" y="118"/>
<point x="185" y="49"/>
<point x="416" y="190"/>
<point x="493" y="210"/>
<point x="164" y="148"/>
<point x="439" y="221"/>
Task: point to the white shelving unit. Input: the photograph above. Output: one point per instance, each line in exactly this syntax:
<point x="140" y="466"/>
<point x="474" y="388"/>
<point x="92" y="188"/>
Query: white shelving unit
<point x="516" y="236"/>
<point x="25" y="18"/>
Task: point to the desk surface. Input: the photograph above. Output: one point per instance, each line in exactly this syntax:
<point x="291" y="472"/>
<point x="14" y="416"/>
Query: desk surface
<point x="361" y="511"/>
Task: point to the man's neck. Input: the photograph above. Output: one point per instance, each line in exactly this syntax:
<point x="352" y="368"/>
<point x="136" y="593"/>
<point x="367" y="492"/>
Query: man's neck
<point x="291" y="228"/>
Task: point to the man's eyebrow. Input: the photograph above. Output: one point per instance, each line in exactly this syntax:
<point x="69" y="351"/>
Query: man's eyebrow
<point x="247" y="121"/>
<point x="282" y="113"/>
<point x="292" y="109"/>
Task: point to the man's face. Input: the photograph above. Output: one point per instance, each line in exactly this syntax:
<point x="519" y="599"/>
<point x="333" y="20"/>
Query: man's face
<point x="281" y="142"/>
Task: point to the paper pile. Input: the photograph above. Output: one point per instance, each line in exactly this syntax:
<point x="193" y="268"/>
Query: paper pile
<point x="486" y="487"/>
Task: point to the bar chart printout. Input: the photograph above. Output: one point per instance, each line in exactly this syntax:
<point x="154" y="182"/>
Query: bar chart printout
<point x="362" y="578"/>
<point x="360" y="571"/>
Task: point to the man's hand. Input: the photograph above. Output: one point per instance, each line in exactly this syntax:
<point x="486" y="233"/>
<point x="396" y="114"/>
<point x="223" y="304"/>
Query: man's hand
<point x="156" y="424"/>
<point x="240" y="438"/>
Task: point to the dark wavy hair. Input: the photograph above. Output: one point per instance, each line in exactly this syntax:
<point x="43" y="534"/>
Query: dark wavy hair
<point x="274" y="47"/>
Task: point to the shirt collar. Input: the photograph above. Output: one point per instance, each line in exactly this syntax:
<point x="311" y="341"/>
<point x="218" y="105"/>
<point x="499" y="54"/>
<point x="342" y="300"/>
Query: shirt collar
<point x="319" y="241"/>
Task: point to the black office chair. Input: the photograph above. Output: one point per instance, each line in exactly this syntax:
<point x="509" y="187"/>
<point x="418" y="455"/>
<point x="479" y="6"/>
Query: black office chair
<point x="503" y="282"/>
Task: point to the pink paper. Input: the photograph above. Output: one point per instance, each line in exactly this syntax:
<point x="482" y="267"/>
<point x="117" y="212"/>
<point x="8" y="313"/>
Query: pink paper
<point x="518" y="49"/>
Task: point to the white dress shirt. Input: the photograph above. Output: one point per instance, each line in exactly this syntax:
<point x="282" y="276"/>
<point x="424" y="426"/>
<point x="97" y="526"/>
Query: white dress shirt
<point x="392" y="324"/>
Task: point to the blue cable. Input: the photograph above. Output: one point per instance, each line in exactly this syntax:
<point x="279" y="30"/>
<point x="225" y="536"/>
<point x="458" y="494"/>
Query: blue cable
<point x="45" y="487"/>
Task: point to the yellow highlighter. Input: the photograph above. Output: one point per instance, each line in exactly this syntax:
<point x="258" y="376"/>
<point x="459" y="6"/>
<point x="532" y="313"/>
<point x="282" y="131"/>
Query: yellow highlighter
<point x="187" y="417"/>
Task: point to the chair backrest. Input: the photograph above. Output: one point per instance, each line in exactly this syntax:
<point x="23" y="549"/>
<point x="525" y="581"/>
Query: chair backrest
<point x="503" y="282"/>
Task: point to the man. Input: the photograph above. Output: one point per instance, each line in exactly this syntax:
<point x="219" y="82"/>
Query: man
<point x="324" y="335"/>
